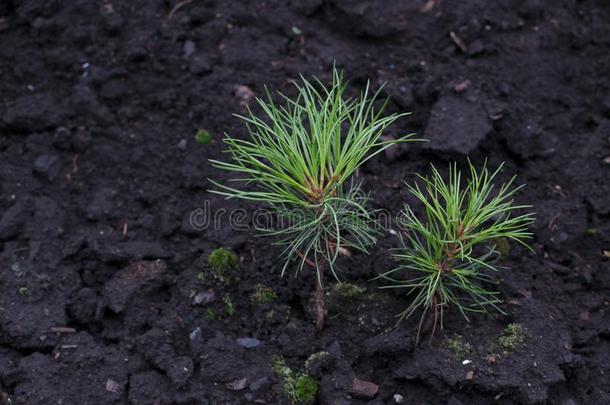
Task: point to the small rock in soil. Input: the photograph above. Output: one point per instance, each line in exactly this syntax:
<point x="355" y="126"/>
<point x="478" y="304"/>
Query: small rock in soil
<point x="200" y="65"/>
<point x="248" y="342"/>
<point x="113" y="21"/>
<point x="399" y="399"/>
<point x="62" y="139"/>
<point x="112" y="386"/>
<point x="140" y="276"/>
<point x="188" y="48"/>
<point x="47" y="166"/>
<point x="33" y="112"/>
<point x="456" y="125"/>
<point x="204" y="297"/>
<point x="364" y="389"/>
<point x="195" y="333"/>
<point x="12" y="221"/>
<point x="258" y="384"/>
<point x="237" y="385"/>
<point x="243" y="94"/>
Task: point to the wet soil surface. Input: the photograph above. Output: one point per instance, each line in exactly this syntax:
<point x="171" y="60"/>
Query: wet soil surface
<point x="106" y="295"/>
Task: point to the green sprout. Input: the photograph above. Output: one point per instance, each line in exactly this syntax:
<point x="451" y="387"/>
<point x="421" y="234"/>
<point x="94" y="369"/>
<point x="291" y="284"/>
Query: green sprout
<point x="230" y="308"/>
<point x="300" y="161"/>
<point x="200" y="277"/>
<point x="23" y="291"/>
<point x="299" y="388"/>
<point x="203" y="137"/>
<point x="211" y="314"/>
<point x="443" y="259"/>
<point x="262" y="294"/>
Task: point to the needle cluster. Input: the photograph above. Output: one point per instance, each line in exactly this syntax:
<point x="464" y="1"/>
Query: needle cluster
<point x="448" y="252"/>
<point x="300" y="160"/>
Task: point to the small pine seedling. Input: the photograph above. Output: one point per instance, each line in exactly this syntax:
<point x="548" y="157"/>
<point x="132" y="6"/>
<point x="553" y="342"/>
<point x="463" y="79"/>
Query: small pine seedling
<point x="300" y="160"/>
<point x="445" y="257"/>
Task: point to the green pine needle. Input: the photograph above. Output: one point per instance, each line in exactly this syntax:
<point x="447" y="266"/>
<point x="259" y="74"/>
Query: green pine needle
<point x="445" y="258"/>
<point x="300" y="160"/>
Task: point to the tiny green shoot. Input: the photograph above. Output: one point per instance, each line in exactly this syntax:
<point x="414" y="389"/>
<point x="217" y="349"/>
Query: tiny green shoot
<point x="230" y="308"/>
<point x="203" y="137"/>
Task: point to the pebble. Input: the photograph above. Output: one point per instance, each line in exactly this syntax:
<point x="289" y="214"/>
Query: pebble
<point x="12" y="221"/>
<point x="204" y="297"/>
<point x="112" y="386"/>
<point x="237" y="385"/>
<point x="182" y="144"/>
<point x="63" y="138"/>
<point x="196" y="332"/>
<point x="248" y="343"/>
<point x="365" y="389"/>
<point x="47" y="166"/>
<point x="200" y="65"/>
<point x="258" y="384"/>
<point x="399" y="399"/>
<point x="244" y="94"/>
<point x="188" y="48"/>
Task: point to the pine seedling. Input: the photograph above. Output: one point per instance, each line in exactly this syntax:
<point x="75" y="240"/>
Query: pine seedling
<point x="300" y="161"/>
<point x="446" y="259"/>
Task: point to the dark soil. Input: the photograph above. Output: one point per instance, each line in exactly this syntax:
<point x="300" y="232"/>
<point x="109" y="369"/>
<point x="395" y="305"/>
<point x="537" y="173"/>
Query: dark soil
<point x="100" y="298"/>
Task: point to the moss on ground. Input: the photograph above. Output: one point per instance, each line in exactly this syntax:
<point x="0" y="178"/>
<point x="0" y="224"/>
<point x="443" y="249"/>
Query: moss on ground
<point x="222" y="261"/>
<point x="298" y="388"/>
<point x="262" y="294"/>
<point x="514" y="336"/>
<point x="458" y="346"/>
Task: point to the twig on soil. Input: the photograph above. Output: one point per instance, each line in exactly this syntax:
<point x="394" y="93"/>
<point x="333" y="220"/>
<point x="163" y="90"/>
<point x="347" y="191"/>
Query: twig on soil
<point x="426" y="8"/>
<point x="320" y="305"/>
<point x="178" y="7"/>
<point x="458" y="41"/>
<point x="308" y="261"/>
<point x="62" y="329"/>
